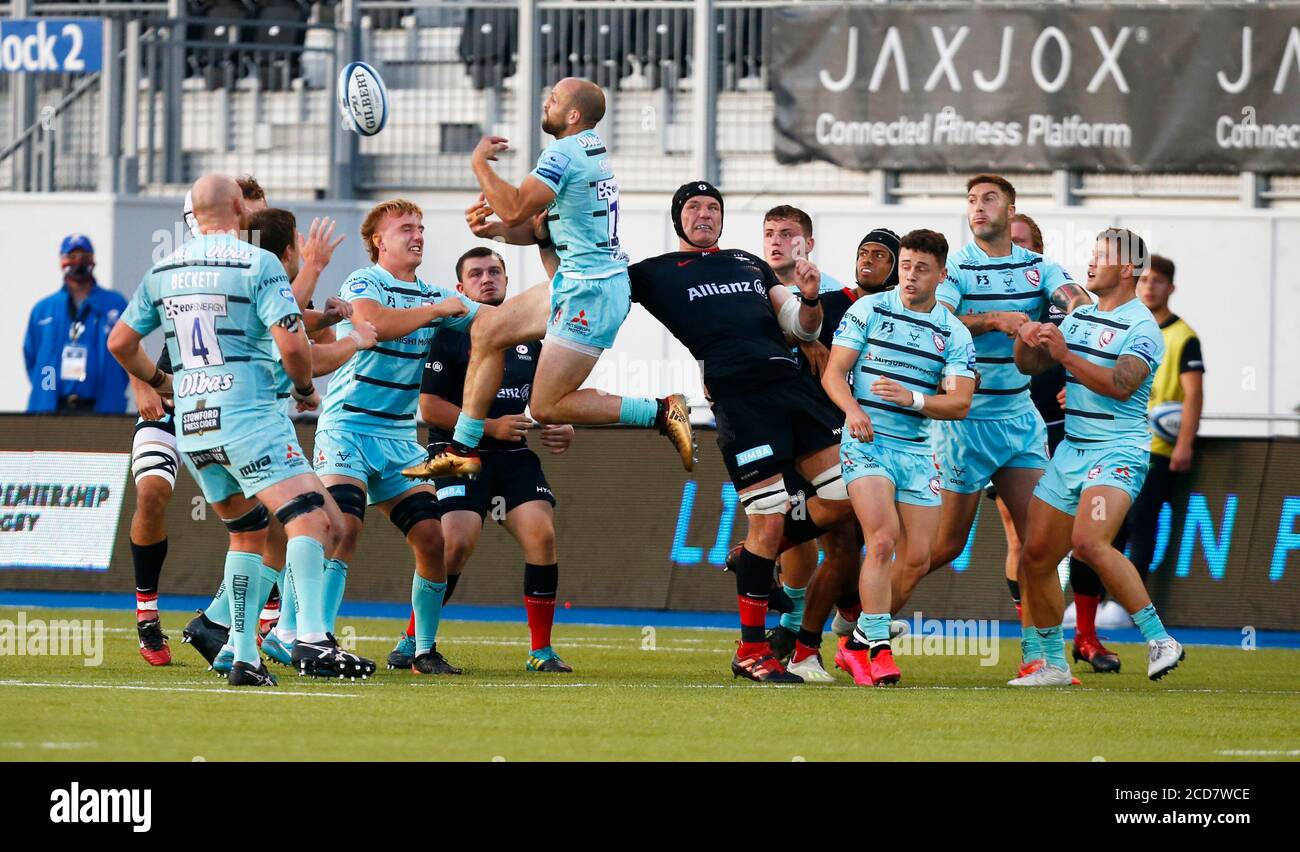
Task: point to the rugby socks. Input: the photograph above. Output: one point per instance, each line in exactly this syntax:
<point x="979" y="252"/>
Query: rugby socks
<point x="753" y="582"/>
<point x="1149" y="623"/>
<point x="638" y="411"/>
<point x="1014" y="587"/>
<point x="452" y="580"/>
<point x="1030" y="648"/>
<point x="469" y="431"/>
<point x="426" y="601"/>
<point x="1085" y="614"/>
<point x="287" y="627"/>
<point x="148" y="561"/>
<point x="1052" y="643"/>
<point x="541" y="582"/>
<point x="218" y="612"/>
<point x="244" y="581"/>
<point x="336" y="580"/>
<point x="872" y="632"/>
<point x="306" y="566"/>
<point x="793" y="619"/>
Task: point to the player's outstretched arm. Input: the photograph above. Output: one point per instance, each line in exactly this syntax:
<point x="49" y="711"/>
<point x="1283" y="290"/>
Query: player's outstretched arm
<point x="316" y="249"/>
<point x="513" y="205"/>
<point x="955" y="401"/>
<point x="438" y="411"/>
<point x="392" y="323"/>
<point x="834" y="380"/>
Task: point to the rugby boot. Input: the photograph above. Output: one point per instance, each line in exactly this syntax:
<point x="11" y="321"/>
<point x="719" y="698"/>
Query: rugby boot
<point x="246" y="674"/>
<point x="755" y="662"/>
<point x="546" y="660"/>
<point x="1163" y="657"/>
<point x="153" y="643"/>
<point x="206" y="636"/>
<point x="1090" y="650"/>
<point x="433" y="663"/>
<point x="674" y="420"/>
<point x="449" y="459"/>
<point x="403" y="653"/>
<point x="327" y="659"/>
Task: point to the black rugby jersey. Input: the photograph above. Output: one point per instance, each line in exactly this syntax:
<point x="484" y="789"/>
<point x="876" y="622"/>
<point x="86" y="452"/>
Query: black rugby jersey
<point x="716" y="303"/>
<point x="444" y="376"/>
<point x="1044" y="387"/>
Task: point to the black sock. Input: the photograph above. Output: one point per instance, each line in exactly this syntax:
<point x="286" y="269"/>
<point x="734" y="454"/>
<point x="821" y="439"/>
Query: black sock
<point x="848" y="601"/>
<point x="856" y="644"/>
<point x="1014" y="586"/>
<point x="541" y="581"/>
<point x="809" y="639"/>
<point x="148" y="559"/>
<point x="452" y="580"/>
<point x="799" y="531"/>
<point x="753" y="581"/>
<point x="878" y="646"/>
<point x="274" y="597"/>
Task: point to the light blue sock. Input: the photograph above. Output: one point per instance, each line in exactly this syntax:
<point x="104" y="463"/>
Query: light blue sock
<point x="244" y="580"/>
<point x="1149" y="623"/>
<point x="1030" y="648"/>
<point x="287" y="627"/>
<point x="426" y="600"/>
<point x="1053" y="645"/>
<point x="874" y="626"/>
<point x="638" y="411"/>
<point x="793" y="620"/>
<point x="468" y="431"/>
<point x="219" y="610"/>
<point x="305" y="557"/>
<point x="336" y="580"/>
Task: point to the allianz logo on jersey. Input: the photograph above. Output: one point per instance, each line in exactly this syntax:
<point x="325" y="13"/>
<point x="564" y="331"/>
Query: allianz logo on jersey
<point x="201" y="382"/>
<point x="724" y="289"/>
<point x="521" y="393"/>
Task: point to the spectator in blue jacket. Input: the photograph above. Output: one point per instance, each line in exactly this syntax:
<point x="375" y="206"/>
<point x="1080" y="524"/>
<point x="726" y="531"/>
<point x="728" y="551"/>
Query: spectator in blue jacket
<point x="66" y="350"/>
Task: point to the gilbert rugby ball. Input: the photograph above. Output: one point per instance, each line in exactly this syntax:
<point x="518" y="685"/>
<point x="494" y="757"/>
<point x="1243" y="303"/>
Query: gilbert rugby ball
<point x="363" y="99"/>
<point x="1166" y="419"/>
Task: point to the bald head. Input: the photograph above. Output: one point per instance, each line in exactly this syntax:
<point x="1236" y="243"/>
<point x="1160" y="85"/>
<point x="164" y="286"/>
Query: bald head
<point x="218" y="203"/>
<point x="575" y="105"/>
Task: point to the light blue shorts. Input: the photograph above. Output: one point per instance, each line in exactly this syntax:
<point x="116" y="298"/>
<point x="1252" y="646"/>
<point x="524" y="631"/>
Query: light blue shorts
<point x="588" y="312"/>
<point x="378" y="462"/>
<point x="249" y="464"/>
<point x="915" y="478"/>
<point x="971" y="451"/>
<point x="1076" y="467"/>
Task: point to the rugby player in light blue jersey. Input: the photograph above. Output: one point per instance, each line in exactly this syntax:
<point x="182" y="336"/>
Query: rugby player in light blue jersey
<point x="366" y="433"/>
<point x="574" y="186"/>
<point x="226" y="306"/>
<point x="1110" y="352"/>
<point x="788" y="239"/>
<point x="910" y="362"/>
<point x="993" y="286"/>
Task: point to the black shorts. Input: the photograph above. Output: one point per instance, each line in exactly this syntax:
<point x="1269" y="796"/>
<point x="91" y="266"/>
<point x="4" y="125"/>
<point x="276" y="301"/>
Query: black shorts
<point x="761" y="432"/>
<point x="509" y="479"/>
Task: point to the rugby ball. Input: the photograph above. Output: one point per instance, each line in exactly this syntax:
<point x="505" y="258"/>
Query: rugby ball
<point x="1165" y="420"/>
<point x="363" y="99"/>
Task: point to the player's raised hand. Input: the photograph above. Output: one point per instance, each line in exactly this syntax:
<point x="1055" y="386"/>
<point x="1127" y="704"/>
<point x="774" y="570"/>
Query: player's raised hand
<point x="1028" y="333"/>
<point x="1051" y="339"/>
<point x="364" y="334"/>
<point x="511" y="427"/>
<point x="892" y="392"/>
<point x="318" y="246"/>
<point x="489" y="146"/>
<point x="337" y="310"/>
<point x="557" y="438"/>
<point x="808" y="277"/>
<point x="858" y="425"/>
<point x="476" y="216"/>
<point x="452" y="307"/>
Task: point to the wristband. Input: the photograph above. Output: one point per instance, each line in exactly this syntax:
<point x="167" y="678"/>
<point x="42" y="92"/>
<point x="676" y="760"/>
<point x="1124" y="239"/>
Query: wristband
<point x="300" y="395"/>
<point x="356" y="337"/>
<point x="545" y="243"/>
<point x="918" y="401"/>
<point x="811" y="303"/>
<point x="159" y="377"/>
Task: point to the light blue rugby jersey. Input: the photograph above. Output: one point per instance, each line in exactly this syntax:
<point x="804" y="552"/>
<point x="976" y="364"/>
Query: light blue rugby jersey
<point x="1102" y="337"/>
<point x="914" y="349"/>
<point x="377" y="391"/>
<point x="216" y="298"/>
<point x="979" y="284"/>
<point x="584" y="216"/>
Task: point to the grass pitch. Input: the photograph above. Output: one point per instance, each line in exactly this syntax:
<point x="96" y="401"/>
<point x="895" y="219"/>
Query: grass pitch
<point x="676" y="702"/>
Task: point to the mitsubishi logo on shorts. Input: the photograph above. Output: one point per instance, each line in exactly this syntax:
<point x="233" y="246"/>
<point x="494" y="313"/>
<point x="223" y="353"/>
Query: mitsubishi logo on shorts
<point x="580" y="319"/>
<point x="292" y="453"/>
<point x="1125" y="473"/>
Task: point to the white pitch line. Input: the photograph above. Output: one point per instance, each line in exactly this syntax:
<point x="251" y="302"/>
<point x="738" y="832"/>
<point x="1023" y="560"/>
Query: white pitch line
<point x="230" y="690"/>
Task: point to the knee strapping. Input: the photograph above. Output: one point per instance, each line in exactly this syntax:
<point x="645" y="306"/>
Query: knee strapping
<point x="253" y="520"/>
<point x="350" y="499"/>
<point x="829" y="484"/>
<point x="300" y="505"/>
<point x="420" y="506"/>
<point x="766" y="500"/>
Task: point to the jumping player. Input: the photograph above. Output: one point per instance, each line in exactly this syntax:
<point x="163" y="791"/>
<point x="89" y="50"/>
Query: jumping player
<point x="589" y="295"/>
<point x="910" y="361"/>
<point x="1110" y="352"/>
<point x="512" y="477"/>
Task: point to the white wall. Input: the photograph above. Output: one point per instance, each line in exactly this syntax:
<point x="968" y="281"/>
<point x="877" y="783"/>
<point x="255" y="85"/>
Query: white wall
<point x="1235" y="278"/>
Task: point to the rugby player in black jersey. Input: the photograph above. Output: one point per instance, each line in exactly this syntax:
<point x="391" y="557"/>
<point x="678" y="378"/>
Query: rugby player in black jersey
<point x="731" y="311"/>
<point x="511" y="486"/>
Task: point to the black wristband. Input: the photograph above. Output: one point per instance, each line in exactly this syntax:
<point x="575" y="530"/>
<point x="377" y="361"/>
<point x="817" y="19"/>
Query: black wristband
<point x="158" y="378"/>
<point x="545" y="243"/>
<point x="304" y="394"/>
<point x="813" y="302"/>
